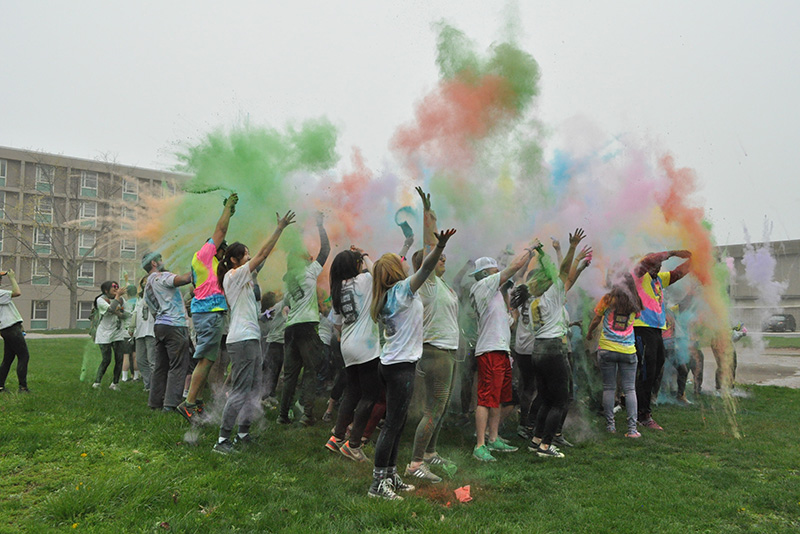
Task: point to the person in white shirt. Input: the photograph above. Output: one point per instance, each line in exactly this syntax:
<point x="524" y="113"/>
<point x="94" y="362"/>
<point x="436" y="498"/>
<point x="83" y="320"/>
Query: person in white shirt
<point x="492" y="350"/>
<point x="14" y="345"/>
<point x="244" y="336"/>
<point x="144" y="337"/>
<point x="301" y="339"/>
<point x="110" y="334"/>
<point x="396" y="305"/>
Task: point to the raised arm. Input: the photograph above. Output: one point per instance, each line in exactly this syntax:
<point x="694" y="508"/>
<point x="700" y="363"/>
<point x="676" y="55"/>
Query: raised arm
<point x="222" y="224"/>
<point x="579" y="264"/>
<point x="429" y="222"/>
<point x="406" y="246"/>
<point x="429" y="263"/>
<point x="595" y="321"/>
<point x="364" y="258"/>
<point x="519" y="262"/>
<point x="324" y="244"/>
<point x="267" y="247"/>
<point x="566" y="263"/>
<point x="683" y="269"/>
<point x="12" y="277"/>
<point x="557" y="247"/>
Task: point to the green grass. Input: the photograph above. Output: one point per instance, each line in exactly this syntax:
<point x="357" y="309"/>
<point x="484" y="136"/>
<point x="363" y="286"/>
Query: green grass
<point x="783" y="342"/>
<point x="62" y="331"/>
<point x="100" y="460"/>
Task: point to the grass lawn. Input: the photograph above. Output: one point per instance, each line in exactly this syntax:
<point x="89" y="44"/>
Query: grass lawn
<point x="74" y="459"/>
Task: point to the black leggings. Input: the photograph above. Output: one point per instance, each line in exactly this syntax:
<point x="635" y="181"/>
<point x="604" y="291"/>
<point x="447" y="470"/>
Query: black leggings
<point x="14" y="346"/>
<point x="552" y="383"/>
<point x="651" y="354"/>
<point x="399" y="381"/>
<point x="363" y="388"/>
<point x="105" y="352"/>
<point x="527" y="387"/>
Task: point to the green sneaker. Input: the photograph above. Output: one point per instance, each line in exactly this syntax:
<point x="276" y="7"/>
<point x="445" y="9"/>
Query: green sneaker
<point x="499" y="446"/>
<point x="482" y="453"/>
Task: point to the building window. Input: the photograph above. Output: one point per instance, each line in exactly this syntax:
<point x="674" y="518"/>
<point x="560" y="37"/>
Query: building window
<point x="130" y="189"/>
<point x="40" y="312"/>
<point x="44" y="178"/>
<point x="41" y="272"/>
<point x="88" y="184"/>
<point x="127" y="249"/>
<point x="85" y="310"/>
<point x="86" y="274"/>
<point x="3" y="172"/>
<point x="42" y="240"/>
<point x="86" y="242"/>
<point x="88" y="214"/>
<point x="44" y="210"/>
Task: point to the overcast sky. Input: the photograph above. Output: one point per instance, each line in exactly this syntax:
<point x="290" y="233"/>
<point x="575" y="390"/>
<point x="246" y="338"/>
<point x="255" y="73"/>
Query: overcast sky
<point x="716" y="83"/>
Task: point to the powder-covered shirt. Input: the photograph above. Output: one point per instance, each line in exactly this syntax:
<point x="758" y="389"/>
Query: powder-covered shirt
<point x="402" y="319"/>
<point x="617" y="333"/>
<point x="144" y="321"/>
<point x="547" y="313"/>
<point x="360" y="341"/>
<point x="276" y="324"/>
<point x="9" y="314"/>
<point x="494" y="327"/>
<point x="651" y="291"/>
<point x="238" y="285"/>
<point x="109" y="329"/>
<point x="440" y="314"/>
<point x="325" y="329"/>
<point x="524" y="338"/>
<point x="164" y="299"/>
<point x="208" y="296"/>
<point x="301" y="296"/>
<point x="128" y="320"/>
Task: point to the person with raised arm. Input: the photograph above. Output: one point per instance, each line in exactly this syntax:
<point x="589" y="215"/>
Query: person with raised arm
<point x="14" y="345"/>
<point x="109" y="336"/>
<point x="650" y="282"/>
<point x="208" y="309"/>
<point x="244" y="336"/>
<point x="301" y="339"/>
<point x="397" y="306"/>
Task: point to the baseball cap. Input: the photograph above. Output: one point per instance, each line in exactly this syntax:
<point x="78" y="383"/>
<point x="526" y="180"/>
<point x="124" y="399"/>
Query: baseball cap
<point x="484" y="263"/>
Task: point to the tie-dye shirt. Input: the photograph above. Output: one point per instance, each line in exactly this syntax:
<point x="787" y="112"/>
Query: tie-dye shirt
<point x="207" y="295"/>
<point x="617" y="333"/>
<point x="651" y="291"/>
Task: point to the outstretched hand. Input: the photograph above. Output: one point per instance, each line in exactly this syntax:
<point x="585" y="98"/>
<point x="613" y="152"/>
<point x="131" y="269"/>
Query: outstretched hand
<point x="443" y="236"/>
<point x="682" y="253"/>
<point x="357" y="250"/>
<point x="577" y="237"/>
<point x="556" y="244"/>
<point x="426" y="198"/>
<point x="286" y="220"/>
<point x="535" y="244"/>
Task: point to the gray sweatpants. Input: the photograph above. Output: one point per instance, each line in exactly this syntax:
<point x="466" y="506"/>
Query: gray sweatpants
<point x="244" y="399"/>
<point x="145" y="354"/>
<point x="169" y="366"/>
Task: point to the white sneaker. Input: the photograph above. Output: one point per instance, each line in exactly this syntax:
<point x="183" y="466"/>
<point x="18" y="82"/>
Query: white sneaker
<point x="113" y="387"/>
<point x="96" y="385"/>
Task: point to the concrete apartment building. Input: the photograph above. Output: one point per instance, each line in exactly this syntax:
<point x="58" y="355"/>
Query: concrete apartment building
<point x="68" y="222"/>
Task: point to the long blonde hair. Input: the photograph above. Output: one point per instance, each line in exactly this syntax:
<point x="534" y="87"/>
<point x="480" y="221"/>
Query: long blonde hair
<point x="386" y="272"/>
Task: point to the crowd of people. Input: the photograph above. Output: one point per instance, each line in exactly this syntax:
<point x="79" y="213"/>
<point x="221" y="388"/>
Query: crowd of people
<point x="499" y="333"/>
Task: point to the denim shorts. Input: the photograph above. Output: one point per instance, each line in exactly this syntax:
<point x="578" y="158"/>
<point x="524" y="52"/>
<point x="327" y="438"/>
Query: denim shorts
<point x="208" y="330"/>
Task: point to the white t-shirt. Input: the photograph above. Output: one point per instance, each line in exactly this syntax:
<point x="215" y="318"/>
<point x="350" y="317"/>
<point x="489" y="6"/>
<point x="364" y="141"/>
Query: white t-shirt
<point x="494" y="327"/>
<point x="402" y="319"/>
<point x="325" y="329"/>
<point x="276" y="324"/>
<point x="144" y="320"/>
<point x="547" y="313"/>
<point x="302" y="297"/>
<point x="9" y="314"/>
<point x="360" y="342"/>
<point x="238" y="286"/>
<point x="110" y="327"/>
<point x="524" y="338"/>
<point x="440" y="314"/>
<point x="164" y="299"/>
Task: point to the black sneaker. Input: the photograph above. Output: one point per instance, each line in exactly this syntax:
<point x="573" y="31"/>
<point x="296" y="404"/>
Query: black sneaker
<point x="308" y="421"/>
<point x="224" y="447"/>
<point x="550" y="452"/>
<point x="188" y="412"/>
<point x="561" y="442"/>
<point x="282" y="420"/>
<point x="24" y="389"/>
<point x="383" y="489"/>
<point x="246" y="441"/>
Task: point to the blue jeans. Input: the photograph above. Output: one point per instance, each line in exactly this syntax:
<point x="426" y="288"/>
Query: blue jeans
<point x="610" y="363"/>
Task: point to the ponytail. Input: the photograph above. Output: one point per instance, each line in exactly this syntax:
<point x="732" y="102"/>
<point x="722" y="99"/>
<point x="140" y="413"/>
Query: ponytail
<point x="234" y="250"/>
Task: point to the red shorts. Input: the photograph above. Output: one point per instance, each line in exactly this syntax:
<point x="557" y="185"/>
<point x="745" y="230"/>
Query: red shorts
<point x="494" y="379"/>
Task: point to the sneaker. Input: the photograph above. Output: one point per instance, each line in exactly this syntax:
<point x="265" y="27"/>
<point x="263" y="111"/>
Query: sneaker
<point x="383" y="488"/>
<point x="651" y="424"/>
<point x="482" y="453"/>
<point x="633" y="434"/>
<point x="561" y="442"/>
<point x="2" y="389"/>
<point x="550" y="452"/>
<point x="422" y="472"/>
<point x="499" y="446"/>
<point x="333" y="444"/>
<point x="199" y="406"/>
<point x="96" y="385"/>
<point x="354" y="453"/>
<point x="114" y="387"/>
<point x="308" y="420"/>
<point x="187" y="412"/>
<point x="327" y="417"/>
<point x="168" y="409"/>
<point x="437" y="460"/>
<point x="611" y="429"/>
<point x="281" y="420"/>
<point x="683" y="400"/>
<point x="245" y="441"/>
<point x="399" y="485"/>
<point x="525" y="432"/>
<point x="23" y="389"/>
<point x="224" y="447"/>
